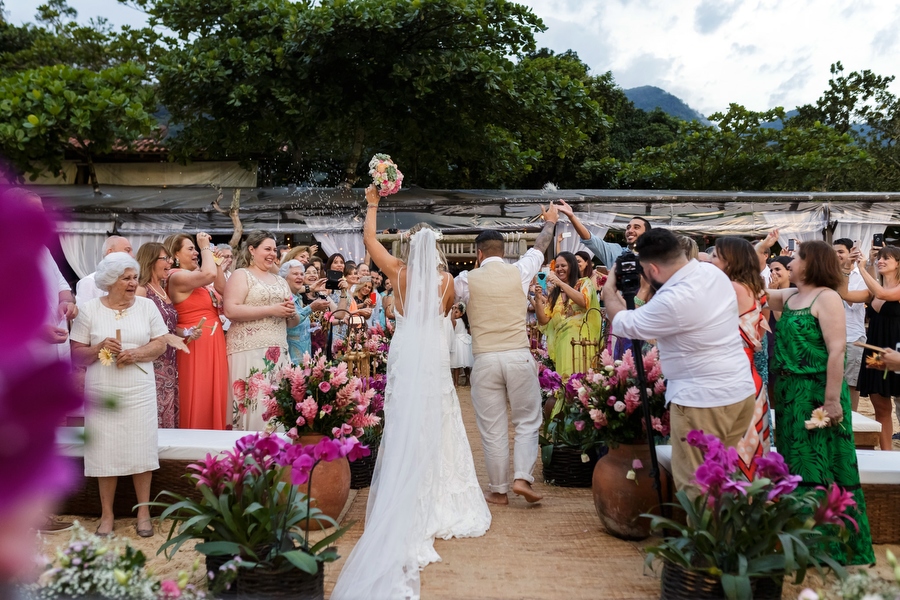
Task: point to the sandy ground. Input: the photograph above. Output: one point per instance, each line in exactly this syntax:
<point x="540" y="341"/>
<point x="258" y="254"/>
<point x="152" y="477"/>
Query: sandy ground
<point x="555" y="549"/>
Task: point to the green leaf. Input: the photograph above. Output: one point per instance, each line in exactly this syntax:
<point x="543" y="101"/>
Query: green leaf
<point x="219" y="548"/>
<point x="302" y="560"/>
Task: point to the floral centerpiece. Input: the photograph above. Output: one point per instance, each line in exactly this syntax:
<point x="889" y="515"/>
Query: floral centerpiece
<point x="316" y="396"/>
<point x="747" y="535"/>
<point x="378" y="345"/>
<point x="250" y="507"/>
<point x="385" y="175"/>
<point x="603" y="407"/>
<point x="94" y="567"/>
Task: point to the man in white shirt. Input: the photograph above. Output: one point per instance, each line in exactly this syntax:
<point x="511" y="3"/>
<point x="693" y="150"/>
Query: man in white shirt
<point x="694" y="319"/>
<point x="855" y="313"/>
<point x="504" y="371"/>
<point x="86" y="290"/>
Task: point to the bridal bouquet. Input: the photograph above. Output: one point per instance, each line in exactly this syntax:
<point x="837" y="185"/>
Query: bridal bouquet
<point x="385" y="175"/>
<point x="604" y="405"/>
<point x="316" y="396"/>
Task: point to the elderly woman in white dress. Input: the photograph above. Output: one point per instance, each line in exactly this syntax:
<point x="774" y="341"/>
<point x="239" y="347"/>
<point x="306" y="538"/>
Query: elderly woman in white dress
<point x="118" y="337"/>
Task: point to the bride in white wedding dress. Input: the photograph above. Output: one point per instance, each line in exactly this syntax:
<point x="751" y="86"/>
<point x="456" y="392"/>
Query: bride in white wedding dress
<point x="424" y="485"/>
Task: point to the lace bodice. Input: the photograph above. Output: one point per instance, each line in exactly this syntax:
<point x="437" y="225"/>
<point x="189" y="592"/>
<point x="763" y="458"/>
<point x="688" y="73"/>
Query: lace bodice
<point x="260" y="333"/>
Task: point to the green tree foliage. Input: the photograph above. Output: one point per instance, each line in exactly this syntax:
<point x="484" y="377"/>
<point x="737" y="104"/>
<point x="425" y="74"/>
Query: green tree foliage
<point x="444" y="86"/>
<point x="860" y="103"/>
<point x="741" y="154"/>
<point x="48" y="111"/>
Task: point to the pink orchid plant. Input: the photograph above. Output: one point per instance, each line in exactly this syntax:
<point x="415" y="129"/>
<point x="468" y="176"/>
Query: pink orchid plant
<point x="250" y="506"/>
<point x="316" y="396"/>
<point x="741" y="531"/>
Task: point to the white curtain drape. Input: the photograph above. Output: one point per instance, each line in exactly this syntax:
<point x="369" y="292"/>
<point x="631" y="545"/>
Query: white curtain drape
<point x="569" y="240"/>
<point x="82" y="244"/>
<point x="860" y="224"/>
<point x="343" y="236"/>
<point x="803" y="226"/>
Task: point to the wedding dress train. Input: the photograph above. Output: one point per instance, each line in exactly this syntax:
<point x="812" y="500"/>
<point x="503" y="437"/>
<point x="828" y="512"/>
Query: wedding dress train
<point x="424" y="485"/>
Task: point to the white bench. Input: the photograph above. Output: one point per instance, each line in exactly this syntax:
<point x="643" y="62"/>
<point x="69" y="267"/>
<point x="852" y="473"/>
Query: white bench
<point x="879" y="474"/>
<point x="177" y="449"/>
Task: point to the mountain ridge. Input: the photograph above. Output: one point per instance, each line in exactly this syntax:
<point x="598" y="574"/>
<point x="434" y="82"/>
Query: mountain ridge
<point x="650" y="97"/>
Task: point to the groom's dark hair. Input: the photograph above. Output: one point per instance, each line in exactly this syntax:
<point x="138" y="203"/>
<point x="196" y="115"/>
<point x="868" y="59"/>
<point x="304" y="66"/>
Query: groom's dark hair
<point x="490" y="243"/>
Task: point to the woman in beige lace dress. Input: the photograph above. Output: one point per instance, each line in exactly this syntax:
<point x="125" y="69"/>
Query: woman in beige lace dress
<point x="260" y="307"/>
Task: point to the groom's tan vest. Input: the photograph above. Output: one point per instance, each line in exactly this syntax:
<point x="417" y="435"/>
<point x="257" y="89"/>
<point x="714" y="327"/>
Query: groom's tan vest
<point x="496" y="308"/>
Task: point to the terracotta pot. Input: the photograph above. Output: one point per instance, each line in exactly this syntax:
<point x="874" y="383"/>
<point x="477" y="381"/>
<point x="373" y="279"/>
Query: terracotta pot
<point x="330" y="483"/>
<point x="620" y="501"/>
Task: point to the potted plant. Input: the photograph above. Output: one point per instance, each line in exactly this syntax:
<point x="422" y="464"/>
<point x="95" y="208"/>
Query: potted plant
<point x="569" y="450"/>
<point x="315" y="399"/>
<point x="362" y="470"/>
<point x="741" y="539"/>
<point x="94" y="567"/>
<point x="607" y="404"/>
<point x="251" y="511"/>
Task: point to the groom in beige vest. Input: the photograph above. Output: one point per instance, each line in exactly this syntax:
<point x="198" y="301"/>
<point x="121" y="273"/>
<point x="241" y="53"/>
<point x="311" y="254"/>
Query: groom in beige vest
<point x="496" y="298"/>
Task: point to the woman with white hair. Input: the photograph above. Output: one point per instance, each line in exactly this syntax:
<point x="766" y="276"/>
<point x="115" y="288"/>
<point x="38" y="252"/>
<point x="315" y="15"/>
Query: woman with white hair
<point x="298" y="336"/>
<point x="118" y="337"/>
<point x="261" y="308"/>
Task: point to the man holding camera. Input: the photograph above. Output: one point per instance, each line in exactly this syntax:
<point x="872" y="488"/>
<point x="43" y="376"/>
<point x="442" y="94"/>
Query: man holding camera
<point x="694" y="318"/>
<point x="607" y="252"/>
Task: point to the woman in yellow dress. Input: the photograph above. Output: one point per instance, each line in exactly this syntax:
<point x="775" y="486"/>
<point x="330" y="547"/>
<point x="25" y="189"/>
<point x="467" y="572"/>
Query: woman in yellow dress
<point x="570" y="312"/>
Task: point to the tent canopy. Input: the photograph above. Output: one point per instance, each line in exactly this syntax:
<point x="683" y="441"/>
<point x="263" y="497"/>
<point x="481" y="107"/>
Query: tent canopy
<point x="163" y="210"/>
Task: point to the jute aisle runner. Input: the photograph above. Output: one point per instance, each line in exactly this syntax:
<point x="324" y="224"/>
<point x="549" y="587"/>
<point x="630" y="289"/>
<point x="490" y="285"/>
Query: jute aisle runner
<point x="555" y="549"/>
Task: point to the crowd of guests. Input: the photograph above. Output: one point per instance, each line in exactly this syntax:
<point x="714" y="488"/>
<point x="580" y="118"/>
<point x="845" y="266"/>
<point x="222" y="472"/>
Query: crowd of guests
<point x="169" y="328"/>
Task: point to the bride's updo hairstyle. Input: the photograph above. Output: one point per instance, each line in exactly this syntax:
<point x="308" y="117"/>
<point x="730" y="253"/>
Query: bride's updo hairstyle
<point x="405" y="240"/>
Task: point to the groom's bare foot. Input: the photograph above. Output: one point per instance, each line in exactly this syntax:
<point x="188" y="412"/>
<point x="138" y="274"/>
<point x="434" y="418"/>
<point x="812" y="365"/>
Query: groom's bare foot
<point x="524" y="489"/>
<point x="496" y="498"/>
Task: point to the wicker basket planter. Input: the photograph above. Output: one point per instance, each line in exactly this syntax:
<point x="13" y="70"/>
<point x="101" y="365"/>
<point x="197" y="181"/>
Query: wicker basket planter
<point x="253" y="584"/>
<point x="85" y="499"/>
<point x="362" y="469"/>
<point x="567" y="469"/>
<point x="680" y="584"/>
<point x="881" y="508"/>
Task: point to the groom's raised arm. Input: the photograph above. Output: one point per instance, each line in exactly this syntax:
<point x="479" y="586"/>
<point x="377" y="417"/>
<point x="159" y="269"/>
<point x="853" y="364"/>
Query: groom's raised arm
<point x="531" y="261"/>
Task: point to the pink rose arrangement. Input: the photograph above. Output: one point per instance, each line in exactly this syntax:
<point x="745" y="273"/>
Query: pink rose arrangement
<point x="316" y="396"/>
<point x="604" y="406"/>
<point x="742" y="531"/>
<point x="385" y="175"/>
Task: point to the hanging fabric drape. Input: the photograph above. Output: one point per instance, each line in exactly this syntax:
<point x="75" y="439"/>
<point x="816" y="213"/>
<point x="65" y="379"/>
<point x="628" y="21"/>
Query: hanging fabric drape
<point x="860" y="224"/>
<point x="82" y="243"/>
<point x="342" y="235"/>
<point x="804" y="226"/>
<point x="569" y="240"/>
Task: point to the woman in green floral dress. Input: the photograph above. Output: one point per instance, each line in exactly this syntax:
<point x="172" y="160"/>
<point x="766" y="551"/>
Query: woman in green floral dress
<point x="809" y="360"/>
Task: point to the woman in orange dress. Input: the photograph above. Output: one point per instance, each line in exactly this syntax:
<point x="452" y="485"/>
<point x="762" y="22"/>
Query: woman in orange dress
<point x="202" y="374"/>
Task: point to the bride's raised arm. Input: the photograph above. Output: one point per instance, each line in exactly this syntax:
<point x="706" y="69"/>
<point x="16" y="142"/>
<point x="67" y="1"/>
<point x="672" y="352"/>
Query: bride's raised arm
<point x="389" y="264"/>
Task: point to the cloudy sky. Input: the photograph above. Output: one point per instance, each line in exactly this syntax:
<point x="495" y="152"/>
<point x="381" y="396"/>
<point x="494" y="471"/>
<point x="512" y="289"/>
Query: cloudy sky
<point x="759" y="53"/>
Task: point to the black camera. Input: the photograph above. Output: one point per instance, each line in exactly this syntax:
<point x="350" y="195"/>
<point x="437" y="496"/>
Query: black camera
<point x="628" y="274"/>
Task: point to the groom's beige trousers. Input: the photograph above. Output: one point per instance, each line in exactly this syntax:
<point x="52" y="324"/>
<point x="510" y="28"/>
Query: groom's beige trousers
<point x="497" y="378"/>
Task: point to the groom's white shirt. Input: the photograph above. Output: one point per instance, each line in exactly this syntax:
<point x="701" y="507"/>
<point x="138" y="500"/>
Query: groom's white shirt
<point x="528" y="264"/>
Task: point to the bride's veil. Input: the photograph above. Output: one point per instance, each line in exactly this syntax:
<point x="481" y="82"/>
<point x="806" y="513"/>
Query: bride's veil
<point x="384" y="563"/>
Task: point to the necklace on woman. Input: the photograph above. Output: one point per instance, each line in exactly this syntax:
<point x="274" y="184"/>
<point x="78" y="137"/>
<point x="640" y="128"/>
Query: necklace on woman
<point x="159" y="292"/>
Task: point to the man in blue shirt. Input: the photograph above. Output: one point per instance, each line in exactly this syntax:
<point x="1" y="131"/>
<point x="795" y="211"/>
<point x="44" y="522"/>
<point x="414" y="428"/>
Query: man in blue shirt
<point x="607" y="252"/>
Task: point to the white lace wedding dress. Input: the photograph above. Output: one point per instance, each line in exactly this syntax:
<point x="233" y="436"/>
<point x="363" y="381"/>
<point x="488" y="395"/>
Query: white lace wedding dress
<point x="424" y="484"/>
